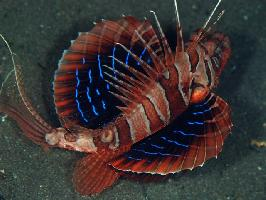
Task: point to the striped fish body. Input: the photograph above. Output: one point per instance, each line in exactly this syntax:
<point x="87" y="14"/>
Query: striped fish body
<point x="155" y="110"/>
<point x="132" y="104"/>
<point x="151" y="99"/>
<point x="141" y="107"/>
<point x="163" y="100"/>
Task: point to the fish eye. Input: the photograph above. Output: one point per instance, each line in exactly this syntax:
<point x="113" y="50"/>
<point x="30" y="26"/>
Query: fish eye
<point x="199" y="93"/>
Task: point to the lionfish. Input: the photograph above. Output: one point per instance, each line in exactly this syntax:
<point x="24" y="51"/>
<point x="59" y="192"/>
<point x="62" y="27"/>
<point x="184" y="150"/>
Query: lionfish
<point x="131" y="103"/>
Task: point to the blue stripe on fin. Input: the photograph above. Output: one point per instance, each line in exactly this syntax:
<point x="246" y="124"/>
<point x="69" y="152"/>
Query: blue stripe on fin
<point x="141" y="55"/>
<point x="113" y="61"/>
<point x="76" y="97"/>
<point x="104" y="105"/>
<point x="201" y="112"/>
<point x="81" y="113"/>
<point x="100" y="66"/>
<point x="155" y="153"/>
<point x="98" y="92"/>
<point x="94" y="110"/>
<point x="195" y="123"/>
<point x="107" y="86"/>
<point x="127" y="58"/>
<point x="185" y="134"/>
<point x="157" y="146"/>
<point x="88" y="94"/>
<point x="133" y="158"/>
<point x="90" y="77"/>
<point x="174" y="142"/>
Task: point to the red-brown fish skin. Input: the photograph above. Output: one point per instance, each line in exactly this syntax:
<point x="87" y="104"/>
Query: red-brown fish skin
<point x="152" y="100"/>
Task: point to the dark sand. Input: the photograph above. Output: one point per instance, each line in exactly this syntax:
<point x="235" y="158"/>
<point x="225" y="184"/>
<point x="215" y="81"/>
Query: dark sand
<point x="39" y="31"/>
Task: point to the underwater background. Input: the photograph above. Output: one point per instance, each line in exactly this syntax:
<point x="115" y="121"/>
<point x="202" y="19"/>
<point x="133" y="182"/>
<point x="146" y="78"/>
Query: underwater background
<point x="38" y="32"/>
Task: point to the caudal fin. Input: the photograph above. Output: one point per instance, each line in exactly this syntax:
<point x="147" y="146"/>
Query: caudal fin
<point x="92" y="174"/>
<point x="30" y="127"/>
<point x="27" y="117"/>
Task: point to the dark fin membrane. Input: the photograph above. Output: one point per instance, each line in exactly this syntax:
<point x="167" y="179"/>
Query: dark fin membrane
<point x="29" y="126"/>
<point x="92" y="174"/>
<point x="81" y="88"/>
<point x="194" y="137"/>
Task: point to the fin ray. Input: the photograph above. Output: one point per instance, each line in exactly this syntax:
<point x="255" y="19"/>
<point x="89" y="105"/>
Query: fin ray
<point x="81" y="91"/>
<point x="185" y="144"/>
<point x="92" y="175"/>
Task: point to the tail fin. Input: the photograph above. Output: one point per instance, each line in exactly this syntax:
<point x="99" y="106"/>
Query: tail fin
<point x="92" y="174"/>
<point x="32" y="124"/>
<point x="30" y="127"/>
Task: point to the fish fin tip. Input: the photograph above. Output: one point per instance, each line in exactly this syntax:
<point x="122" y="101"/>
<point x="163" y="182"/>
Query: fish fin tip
<point x="92" y="175"/>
